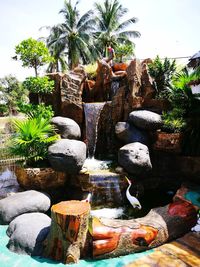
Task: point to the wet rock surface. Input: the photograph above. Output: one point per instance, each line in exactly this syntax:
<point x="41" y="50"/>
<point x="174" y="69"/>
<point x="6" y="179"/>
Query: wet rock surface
<point x="27" y="233"/>
<point x="67" y="128"/>
<point x="23" y="202"/>
<point x="67" y="155"/>
<point x="134" y="158"/>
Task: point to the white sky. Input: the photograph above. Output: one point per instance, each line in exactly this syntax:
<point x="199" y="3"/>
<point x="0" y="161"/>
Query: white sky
<point x="168" y="27"/>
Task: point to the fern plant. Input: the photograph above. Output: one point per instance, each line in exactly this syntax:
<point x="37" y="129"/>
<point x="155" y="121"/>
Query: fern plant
<point x="32" y="139"/>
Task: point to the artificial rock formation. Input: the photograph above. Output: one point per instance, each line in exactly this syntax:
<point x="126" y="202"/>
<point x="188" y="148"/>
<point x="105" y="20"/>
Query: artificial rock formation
<point x="42" y="179"/>
<point x="27" y="233"/>
<point x="128" y="133"/>
<point x="67" y="128"/>
<point x="145" y="119"/>
<point x="23" y="202"/>
<point x="134" y="158"/>
<point x="67" y="155"/>
<point x="66" y="98"/>
<point x="67" y="238"/>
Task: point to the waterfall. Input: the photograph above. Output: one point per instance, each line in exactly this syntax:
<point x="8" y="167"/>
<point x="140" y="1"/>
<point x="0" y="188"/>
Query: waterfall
<point x="92" y="114"/>
<point x="107" y="189"/>
<point x="114" y="88"/>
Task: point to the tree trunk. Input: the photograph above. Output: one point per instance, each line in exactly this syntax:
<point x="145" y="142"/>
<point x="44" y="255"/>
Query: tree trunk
<point x="68" y="232"/>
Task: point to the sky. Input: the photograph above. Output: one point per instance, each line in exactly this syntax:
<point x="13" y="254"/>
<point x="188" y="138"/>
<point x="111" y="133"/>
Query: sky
<point x="169" y="28"/>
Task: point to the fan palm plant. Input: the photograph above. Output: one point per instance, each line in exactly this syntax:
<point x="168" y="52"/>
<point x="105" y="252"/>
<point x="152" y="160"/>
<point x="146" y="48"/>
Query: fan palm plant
<point x="111" y="30"/>
<point x="32" y="139"/>
<point x="73" y="36"/>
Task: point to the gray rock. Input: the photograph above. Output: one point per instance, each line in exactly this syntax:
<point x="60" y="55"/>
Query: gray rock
<point x="8" y="183"/>
<point x="27" y="232"/>
<point x="127" y="133"/>
<point x="68" y="128"/>
<point x="23" y="202"/>
<point x="67" y="155"/>
<point x="134" y="158"/>
<point x="145" y="119"/>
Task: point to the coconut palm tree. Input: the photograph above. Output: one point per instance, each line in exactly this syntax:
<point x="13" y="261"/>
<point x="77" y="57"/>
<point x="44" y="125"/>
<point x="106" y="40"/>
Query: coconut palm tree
<point x="73" y="36"/>
<point x="111" y="28"/>
<point x="57" y="50"/>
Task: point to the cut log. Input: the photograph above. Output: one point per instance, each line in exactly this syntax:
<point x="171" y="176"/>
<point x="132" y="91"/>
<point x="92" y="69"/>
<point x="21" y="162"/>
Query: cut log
<point x="68" y="231"/>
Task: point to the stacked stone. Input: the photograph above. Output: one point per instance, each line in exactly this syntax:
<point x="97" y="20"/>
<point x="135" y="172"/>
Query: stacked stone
<point x="134" y="156"/>
<point x="67" y="154"/>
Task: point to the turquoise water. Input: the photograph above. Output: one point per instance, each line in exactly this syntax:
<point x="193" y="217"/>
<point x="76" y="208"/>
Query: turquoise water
<point x="194" y="197"/>
<point x="10" y="259"/>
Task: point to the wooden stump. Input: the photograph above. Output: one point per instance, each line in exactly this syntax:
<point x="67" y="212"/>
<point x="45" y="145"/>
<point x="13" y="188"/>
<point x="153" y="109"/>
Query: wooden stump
<point x="68" y="232"/>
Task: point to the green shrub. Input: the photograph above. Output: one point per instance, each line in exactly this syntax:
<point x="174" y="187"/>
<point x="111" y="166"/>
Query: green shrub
<point x="124" y="51"/>
<point x="174" y="120"/>
<point x="32" y="138"/>
<point x="39" y="85"/>
<point x="162" y="72"/>
<point x="34" y="111"/>
<point x="91" y="70"/>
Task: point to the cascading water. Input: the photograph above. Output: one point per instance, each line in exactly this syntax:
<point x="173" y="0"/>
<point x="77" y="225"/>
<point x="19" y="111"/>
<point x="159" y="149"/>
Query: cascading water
<point x="8" y="181"/>
<point x="114" y="88"/>
<point x="92" y="114"/>
<point x="106" y="185"/>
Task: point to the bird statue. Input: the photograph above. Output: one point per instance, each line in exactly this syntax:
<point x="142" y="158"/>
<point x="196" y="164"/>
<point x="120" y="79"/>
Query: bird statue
<point x="133" y="200"/>
<point x="88" y="198"/>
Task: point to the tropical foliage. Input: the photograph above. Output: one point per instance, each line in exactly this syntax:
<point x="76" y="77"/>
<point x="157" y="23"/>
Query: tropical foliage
<point x="33" y="54"/>
<point x="35" y="111"/>
<point x="185" y="113"/>
<point x="123" y="51"/>
<point x="85" y="38"/>
<point x="11" y="92"/>
<point x="73" y="36"/>
<point x="32" y="139"/>
<point x="162" y="72"/>
<point x="38" y="85"/>
<point x="111" y="30"/>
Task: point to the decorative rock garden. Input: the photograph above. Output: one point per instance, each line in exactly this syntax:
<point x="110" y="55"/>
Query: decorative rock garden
<point x="122" y="129"/>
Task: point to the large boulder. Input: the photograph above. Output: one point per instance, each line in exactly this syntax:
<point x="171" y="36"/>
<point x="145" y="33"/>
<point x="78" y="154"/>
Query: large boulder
<point x="27" y="233"/>
<point x="127" y="133"/>
<point x="134" y="158"/>
<point x="145" y="119"/>
<point x="67" y="128"/>
<point x="67" y="155"/>
<point x="23" y="202"/>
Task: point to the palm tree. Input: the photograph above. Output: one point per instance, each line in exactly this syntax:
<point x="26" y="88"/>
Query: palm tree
<point x="110" y="28"/>
<point x="57" y="50"/>
<point x="74" y="35"/>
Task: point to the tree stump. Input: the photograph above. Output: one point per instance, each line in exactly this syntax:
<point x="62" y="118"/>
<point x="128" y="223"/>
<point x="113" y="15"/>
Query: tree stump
<point x="68" y="232"/>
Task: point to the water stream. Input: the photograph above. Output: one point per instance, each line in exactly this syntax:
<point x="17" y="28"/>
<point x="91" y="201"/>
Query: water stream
<point x="92" y="115"/>
<point x="106" y="184"/>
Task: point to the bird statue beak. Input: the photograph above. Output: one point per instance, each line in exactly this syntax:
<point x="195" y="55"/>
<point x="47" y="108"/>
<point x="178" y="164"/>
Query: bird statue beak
<point x="129" y="182"/>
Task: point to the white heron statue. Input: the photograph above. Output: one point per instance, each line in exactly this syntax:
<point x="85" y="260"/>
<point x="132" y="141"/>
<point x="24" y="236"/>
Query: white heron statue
<point x="133" y="200"/>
